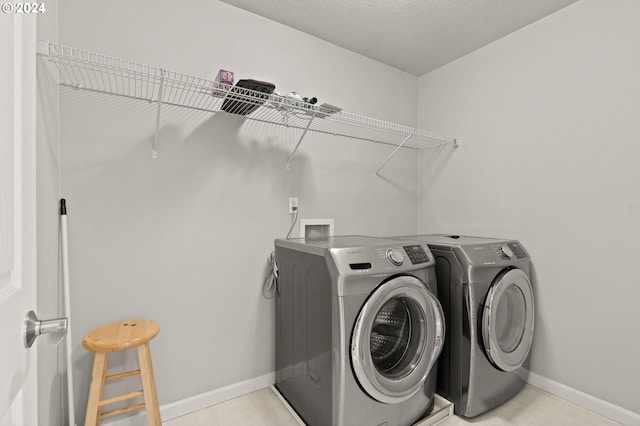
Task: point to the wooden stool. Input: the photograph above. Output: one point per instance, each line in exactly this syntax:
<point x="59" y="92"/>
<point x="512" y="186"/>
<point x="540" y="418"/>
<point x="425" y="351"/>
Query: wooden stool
<point x="120" y="336"/>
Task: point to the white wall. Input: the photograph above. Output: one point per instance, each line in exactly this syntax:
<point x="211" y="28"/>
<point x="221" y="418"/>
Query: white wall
<point x="548" y="157"/>
<point x="51" y="378"/>
<point x="549" y="123"/>
<point x="184" y="239"/>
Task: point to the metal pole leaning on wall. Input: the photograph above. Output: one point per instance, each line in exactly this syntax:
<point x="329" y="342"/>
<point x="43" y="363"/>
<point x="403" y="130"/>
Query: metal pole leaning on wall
<point x="67" y="308"/>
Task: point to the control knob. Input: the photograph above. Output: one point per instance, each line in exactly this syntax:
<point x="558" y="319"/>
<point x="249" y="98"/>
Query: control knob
<point x="506" y="251"/>
<point x="395" y="256"/>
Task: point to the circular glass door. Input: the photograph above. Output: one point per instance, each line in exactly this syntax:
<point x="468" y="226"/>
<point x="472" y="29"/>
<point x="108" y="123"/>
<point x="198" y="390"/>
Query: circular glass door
<point x="396" y="339"/>
<point x="507" y="320"/>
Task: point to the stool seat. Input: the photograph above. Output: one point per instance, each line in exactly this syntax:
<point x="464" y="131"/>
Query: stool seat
<point x="121" y="335"/>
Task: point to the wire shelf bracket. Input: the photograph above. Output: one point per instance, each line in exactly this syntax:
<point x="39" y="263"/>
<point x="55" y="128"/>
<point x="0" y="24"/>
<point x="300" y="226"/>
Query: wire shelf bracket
<point x="392" y="154"/>
<point x="154" y="152"/>
<point x="295" y="149"/>
<point x="105" y="74"/>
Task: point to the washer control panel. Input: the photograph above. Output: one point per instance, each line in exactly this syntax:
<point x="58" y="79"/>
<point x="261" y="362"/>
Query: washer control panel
<point x="403" y="256"/>
<point x="510" y="250"/>
<point x="416" y="254"/>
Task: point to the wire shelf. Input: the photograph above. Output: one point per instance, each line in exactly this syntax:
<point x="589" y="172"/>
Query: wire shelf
<point x="105" y="74"/>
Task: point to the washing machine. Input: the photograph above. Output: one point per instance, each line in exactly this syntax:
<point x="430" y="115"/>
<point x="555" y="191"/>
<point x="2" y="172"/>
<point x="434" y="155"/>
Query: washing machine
<point x="484" y="286"/>
<point x="358" y="330"/>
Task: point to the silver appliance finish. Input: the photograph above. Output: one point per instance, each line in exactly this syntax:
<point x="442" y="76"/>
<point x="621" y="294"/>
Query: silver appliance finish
<point x="358" y="330"/>
<point x="485" y="290"/>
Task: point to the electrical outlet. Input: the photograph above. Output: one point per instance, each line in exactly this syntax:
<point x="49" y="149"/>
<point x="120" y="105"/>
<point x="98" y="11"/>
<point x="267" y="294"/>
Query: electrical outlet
<point x="293" y="204"/>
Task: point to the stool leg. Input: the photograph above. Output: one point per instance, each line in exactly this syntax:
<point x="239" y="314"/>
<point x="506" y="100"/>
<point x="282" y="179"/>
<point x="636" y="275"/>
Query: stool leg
<point x="96" y="390"/>
<point x="149" y="386"/>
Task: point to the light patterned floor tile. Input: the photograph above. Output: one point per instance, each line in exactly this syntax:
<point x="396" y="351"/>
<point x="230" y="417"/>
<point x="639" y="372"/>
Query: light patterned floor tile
<point x="531" y="407"/>
<point x="534" y="407"/>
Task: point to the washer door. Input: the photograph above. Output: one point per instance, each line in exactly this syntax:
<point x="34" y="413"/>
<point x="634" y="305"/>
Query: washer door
<point x="396" y="339"/>
<point x="507" y="320"/>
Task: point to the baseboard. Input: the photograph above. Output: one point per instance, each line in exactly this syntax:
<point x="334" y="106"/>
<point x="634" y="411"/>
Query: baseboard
<point x="207" y="399"/>
<point x="589" y="402"/>
<point x="200" y="401"/>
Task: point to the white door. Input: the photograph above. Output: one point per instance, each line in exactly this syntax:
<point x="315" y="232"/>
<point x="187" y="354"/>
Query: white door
<point x="18" y="380"/>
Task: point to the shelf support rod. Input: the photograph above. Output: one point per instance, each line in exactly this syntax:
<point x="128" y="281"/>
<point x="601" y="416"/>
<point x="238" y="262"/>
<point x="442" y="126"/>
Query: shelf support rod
<point x="304" y="132"/>
<point x="154" y="153"/>
<point x="393" y="153"/>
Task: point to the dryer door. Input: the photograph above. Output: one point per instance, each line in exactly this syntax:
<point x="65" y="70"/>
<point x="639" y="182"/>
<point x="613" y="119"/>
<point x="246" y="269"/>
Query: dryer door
<point x="507" y="320"/>
<point x="396" y="339"/>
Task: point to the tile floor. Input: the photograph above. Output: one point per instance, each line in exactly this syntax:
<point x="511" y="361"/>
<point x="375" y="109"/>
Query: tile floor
<point x="531" y="407"/>
<point x="535" y="407"/>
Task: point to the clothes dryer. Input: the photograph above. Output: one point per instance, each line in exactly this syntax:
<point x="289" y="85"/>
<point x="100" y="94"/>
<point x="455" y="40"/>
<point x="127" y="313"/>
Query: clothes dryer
<point x="358" y="330"/>
<point x="484" y="286"/>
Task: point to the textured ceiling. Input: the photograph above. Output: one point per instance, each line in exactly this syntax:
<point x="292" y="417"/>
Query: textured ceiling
<point x="416" y="36"/>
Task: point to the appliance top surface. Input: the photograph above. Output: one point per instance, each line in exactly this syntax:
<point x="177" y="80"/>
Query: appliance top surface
<point x="455" y="240"/>
<point x="344" y="241"/>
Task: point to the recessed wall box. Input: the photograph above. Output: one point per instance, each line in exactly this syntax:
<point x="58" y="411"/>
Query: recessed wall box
<point x="316" y="228"/>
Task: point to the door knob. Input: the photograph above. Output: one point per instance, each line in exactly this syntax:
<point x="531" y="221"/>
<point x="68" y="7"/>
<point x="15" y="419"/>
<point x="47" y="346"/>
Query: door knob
<point x="33" y="327"/>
